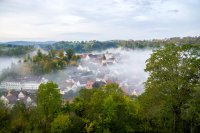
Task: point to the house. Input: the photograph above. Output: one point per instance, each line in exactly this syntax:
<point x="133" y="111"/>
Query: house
<point x="97" y="84"/>
<point x="70" y="82"/>
<point x="9" y="100"/>
<point x="108" y="55"/>
<point x="13" y="97"/>
<point x="72" y="85"/>
<point x="21" y="95"/>
<point x="32" y="82"/>
<point x="4" y="100"/>
<point x="83" y="56"/>
<point x="87" y="57"/>
<point x="104" y="62"/>
<point x="28" y="100"/>
<point x="109" y="61"/>
<point x="89" y="84"/>
<point x="134" y="93"/>
<point x="62" y="92"/>
<point x="93" y="56"/>
<point x="11" y="84"/>
<point x="100" y="79"/>
<point x="124" y="87"/>
<point x="83" y="68"/>
<point x="110" y="80"/>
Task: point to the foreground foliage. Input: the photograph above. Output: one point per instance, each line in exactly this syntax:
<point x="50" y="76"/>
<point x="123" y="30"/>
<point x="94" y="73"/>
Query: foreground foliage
<point x="170" y="102"/>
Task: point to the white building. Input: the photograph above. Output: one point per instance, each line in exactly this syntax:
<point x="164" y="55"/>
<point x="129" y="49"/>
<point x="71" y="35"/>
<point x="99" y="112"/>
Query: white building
<point x="25" y="83"/>
<point x="4" y="99"/>
<point x="11" y="85"/>
<point x="134" y="93"/>
<point x="28" y="100"/>
<point x="21" y="95"/>
<point x="83" y="68"/>
<point x="108" y="55"/>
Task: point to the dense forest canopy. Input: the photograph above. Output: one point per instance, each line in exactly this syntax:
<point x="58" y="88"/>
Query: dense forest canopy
<point x="169" y="104"/>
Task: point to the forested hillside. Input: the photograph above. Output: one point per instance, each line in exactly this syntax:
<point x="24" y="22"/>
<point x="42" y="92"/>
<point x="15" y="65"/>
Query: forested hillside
<point x="88" y="46"/>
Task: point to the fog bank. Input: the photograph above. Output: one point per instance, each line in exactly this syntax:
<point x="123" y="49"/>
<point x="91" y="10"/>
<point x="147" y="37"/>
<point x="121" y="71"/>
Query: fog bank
<point x="128" y="69"/>
<point x="6" y="62"/>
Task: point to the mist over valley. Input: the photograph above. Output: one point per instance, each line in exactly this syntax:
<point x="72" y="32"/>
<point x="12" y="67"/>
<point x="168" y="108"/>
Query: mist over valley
<point x="126" y="68"/>
<point x="6" y="62"/>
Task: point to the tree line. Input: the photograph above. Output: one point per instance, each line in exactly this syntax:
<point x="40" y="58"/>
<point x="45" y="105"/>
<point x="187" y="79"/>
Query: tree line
<point x="14" y="50"/>
<point x="94" y="45"/>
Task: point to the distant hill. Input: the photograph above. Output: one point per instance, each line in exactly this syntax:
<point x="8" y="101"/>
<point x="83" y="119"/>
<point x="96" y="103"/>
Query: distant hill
<point x="28" y="43"/>
<point x="88" y="46"/>
<point x="94" y="45"/>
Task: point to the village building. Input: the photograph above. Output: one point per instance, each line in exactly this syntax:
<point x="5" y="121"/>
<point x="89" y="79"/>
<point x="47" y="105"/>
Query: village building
<point x="98" y="84"/>
<point x="12" y="97"/>
<point x="134" y="93"/>
<point x="4" y="100"/>
<point x="21" y="95"/>
<point x="80" y="67"/>
<point x="89" y="85"/>
<point x="25" y="83"/>
<point x="28" y="100"/>
<point x="83" y="56"/>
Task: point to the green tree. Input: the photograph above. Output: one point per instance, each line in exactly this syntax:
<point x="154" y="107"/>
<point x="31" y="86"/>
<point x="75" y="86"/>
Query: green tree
<point x="5" y="118"/>
<point x="106" y="109"/>
<point x="39" y="53"/>
<point x="61" y="124"/>
<point x="70" y="53"/>
<point x="52" y="53"/>
<point x="49" y="102"/>
<point x="61" y="53"/>
<point x="48" y="98"/>
<point x="191" y="112"/>
<point x="173" y="76"/>
<point x="19" y="117"/>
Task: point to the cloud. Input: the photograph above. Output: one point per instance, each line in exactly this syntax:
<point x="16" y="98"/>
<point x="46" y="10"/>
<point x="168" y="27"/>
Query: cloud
<point x="141" y="18"/>
<point x="110" y="19"/>
<point x="173" y="11"/>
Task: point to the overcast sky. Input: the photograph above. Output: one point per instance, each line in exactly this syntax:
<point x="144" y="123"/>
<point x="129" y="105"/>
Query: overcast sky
<point x="42" y="20"/>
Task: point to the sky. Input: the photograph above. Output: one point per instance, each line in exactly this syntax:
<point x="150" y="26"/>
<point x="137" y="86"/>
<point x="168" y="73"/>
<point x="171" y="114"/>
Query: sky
<point x="44" y="20"/>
